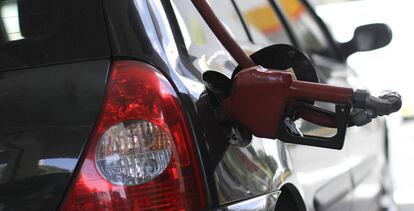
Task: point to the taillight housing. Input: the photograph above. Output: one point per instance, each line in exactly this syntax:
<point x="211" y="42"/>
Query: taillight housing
<point x="140" y="155"/>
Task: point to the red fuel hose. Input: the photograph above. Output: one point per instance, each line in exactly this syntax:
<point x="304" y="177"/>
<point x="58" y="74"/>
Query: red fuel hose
<point x="220" y="31"/>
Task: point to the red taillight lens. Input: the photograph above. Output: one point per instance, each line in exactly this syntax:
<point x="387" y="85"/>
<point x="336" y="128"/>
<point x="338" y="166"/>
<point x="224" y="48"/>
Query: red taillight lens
<point x="140" y="155"/>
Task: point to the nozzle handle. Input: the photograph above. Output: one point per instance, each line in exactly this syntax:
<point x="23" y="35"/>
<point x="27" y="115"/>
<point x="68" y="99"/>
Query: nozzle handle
<point x="337" y="119"/>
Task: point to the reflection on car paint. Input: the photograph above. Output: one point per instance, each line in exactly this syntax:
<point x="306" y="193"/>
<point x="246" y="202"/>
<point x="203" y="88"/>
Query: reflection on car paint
<point x="246" y="172"/>
<point x="242" y="172"/>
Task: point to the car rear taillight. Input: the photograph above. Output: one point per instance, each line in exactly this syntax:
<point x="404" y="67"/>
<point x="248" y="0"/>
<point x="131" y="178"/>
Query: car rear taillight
<point x="140" y="155"/>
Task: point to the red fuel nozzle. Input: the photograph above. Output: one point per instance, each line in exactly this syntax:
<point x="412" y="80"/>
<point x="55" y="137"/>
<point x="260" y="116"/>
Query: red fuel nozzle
<point x="267" y="103"/>
<point x="259" y="97"/>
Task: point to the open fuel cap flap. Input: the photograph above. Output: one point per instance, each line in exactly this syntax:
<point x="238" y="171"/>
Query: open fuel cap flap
<point x="278" y="85"/>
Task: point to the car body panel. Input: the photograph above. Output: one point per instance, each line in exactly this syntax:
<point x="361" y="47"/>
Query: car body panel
<point x="46" y="114"/>
<point x="263" y="202"/>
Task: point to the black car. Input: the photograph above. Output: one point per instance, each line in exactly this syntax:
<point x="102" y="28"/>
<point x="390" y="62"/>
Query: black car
<point x="102" y="107"/>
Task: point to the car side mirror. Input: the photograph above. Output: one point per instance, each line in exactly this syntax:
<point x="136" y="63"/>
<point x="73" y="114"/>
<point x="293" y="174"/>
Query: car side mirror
<point x="366" y="38"/>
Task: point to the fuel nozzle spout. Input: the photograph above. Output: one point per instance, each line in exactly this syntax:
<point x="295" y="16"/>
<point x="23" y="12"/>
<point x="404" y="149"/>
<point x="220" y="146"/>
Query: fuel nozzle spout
<point x="368" y="107"/>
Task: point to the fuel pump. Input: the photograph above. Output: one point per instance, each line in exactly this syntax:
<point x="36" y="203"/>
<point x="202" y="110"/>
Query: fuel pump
<point x="277" y="85"/>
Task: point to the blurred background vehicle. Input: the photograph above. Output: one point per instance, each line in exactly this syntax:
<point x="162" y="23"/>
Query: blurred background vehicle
<point x="391" y="66"/>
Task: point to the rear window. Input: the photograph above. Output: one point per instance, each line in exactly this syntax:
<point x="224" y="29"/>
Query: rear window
<point x="203" y="47"/>
<point x="305" y="27"/>
<point x="40" y="32"/>
<point x="263" y="22"/>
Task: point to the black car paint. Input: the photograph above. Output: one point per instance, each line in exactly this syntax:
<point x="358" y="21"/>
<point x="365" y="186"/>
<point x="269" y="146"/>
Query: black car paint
<point x="46" y="116"/>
